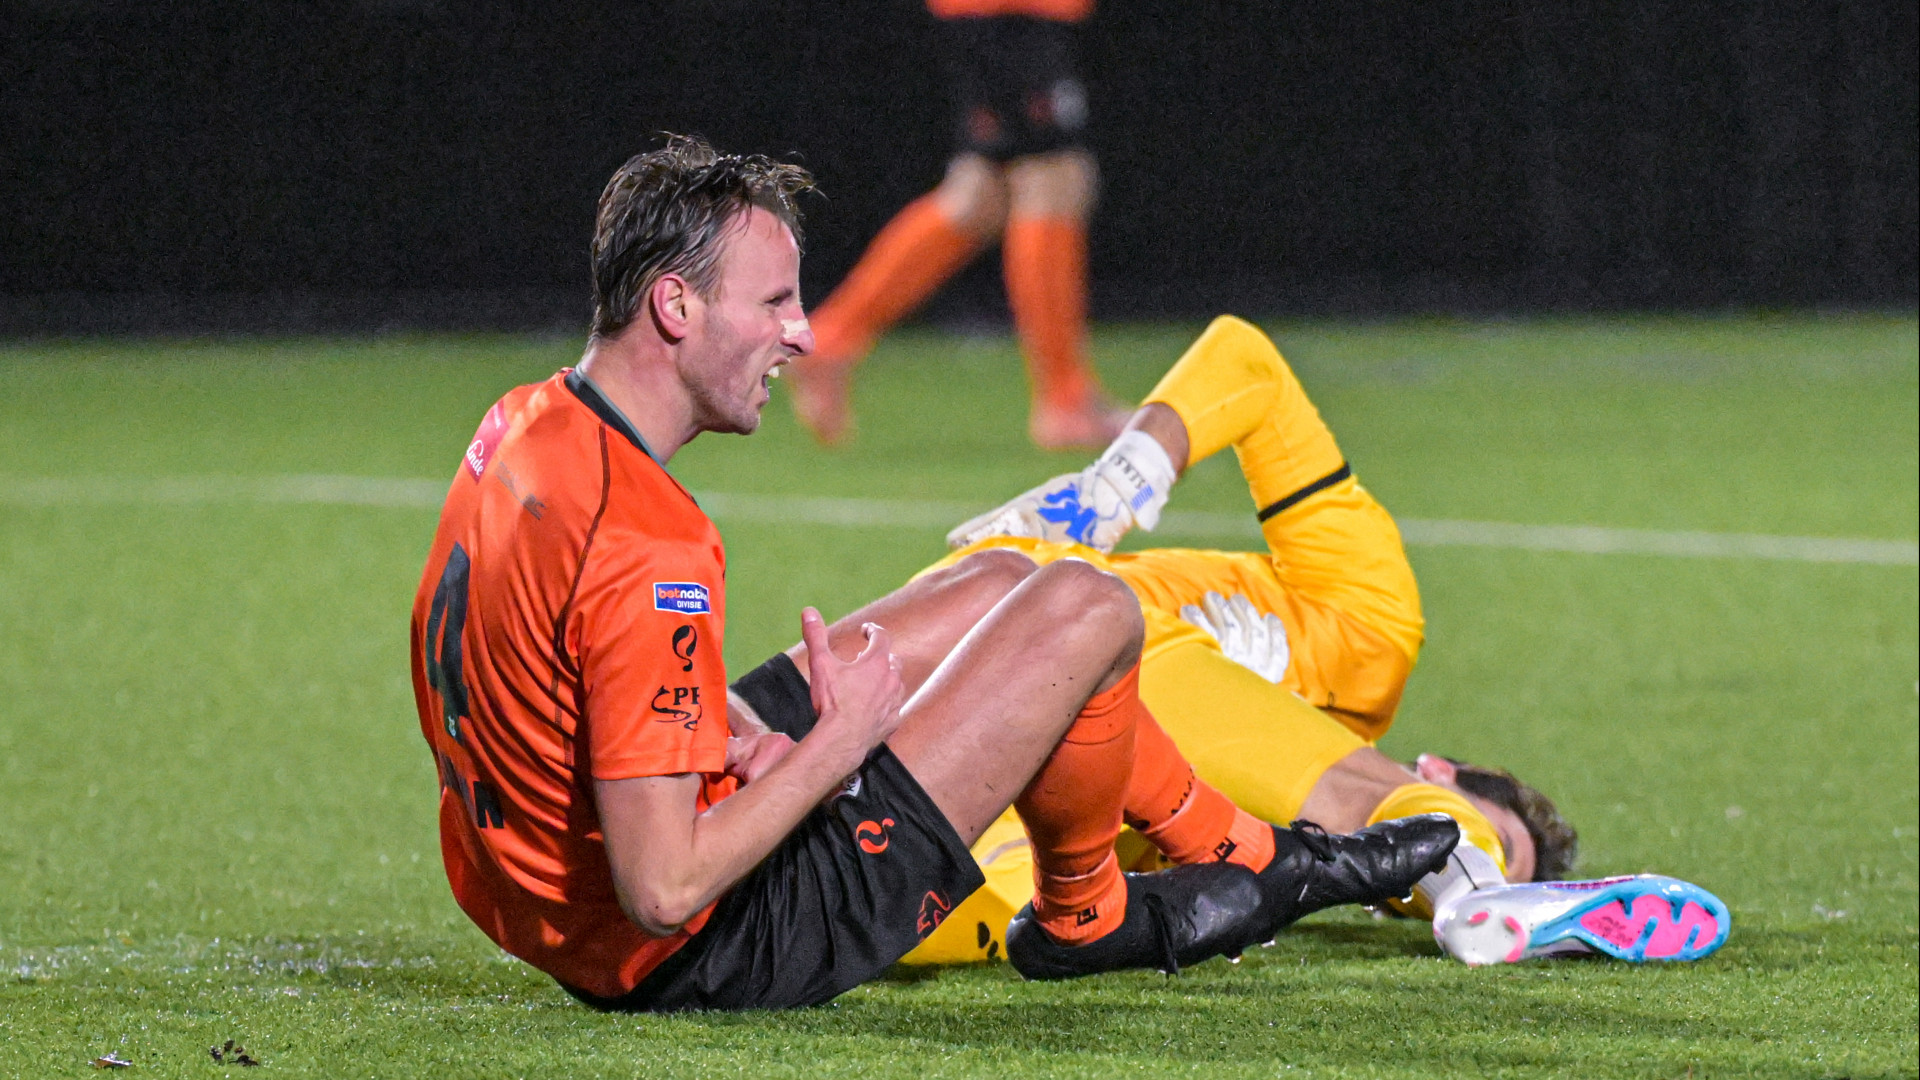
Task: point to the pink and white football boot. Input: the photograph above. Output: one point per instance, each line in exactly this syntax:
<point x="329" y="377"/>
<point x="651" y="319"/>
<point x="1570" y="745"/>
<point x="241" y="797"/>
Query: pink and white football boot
<point x="1638" y="918"/>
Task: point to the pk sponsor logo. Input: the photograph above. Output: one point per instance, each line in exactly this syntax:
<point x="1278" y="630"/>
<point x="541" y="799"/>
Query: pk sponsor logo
<point x="685" y="640"/>
<point x="682" y="597"/>
<point x="867" y="831"/>
<point x="678" y="705"/>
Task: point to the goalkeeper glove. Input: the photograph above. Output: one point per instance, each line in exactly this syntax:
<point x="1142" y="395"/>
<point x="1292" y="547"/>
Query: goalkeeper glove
<point x="1254" y="639"/>
<point x="1124" y="488"/>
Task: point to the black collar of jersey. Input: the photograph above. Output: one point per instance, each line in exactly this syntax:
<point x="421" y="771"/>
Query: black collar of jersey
<point x="609" y="413"/>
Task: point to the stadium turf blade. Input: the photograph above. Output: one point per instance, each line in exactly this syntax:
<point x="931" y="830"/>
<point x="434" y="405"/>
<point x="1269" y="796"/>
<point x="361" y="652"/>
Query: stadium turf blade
<point x="219" y="816"/>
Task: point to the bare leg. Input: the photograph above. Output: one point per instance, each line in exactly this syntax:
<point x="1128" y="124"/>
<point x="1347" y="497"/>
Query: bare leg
<point x="923" y="246"/>
<point x="928" y="616"/>
<point x="981" y="726"/>
<point x="1045" y="250"/>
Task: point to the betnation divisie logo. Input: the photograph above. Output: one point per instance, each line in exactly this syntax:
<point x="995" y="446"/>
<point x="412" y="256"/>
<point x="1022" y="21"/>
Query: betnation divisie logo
<point x="682" y="597"/>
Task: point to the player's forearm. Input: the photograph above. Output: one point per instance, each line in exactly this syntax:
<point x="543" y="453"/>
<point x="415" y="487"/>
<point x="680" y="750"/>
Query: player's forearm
<point x="667" y="874"/>
<point x="1167" y="429"/>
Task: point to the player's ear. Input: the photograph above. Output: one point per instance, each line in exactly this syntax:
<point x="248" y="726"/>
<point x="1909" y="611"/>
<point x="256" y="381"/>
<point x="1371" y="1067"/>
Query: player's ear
<point x="1435" y="769"/>
<point x="671" y="301"/>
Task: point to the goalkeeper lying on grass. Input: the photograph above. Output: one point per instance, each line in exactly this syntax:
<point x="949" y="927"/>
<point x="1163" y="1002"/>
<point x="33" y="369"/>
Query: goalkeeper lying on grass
<point x="1275" y="672"/>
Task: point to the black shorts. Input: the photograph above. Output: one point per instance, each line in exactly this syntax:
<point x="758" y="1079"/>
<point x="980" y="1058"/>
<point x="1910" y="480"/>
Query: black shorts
<point x="854" y="888"/>
<point x="1017" y="84"/>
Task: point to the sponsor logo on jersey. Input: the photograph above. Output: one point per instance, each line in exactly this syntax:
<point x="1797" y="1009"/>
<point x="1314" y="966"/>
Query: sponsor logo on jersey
<point x="872" y="835"/>
<point x="682" y="597"/>
<point x="485" y="440"/>
<point x="678" y="705"/>
<point x="685" y="640"/>
<point x="529" y="502"/>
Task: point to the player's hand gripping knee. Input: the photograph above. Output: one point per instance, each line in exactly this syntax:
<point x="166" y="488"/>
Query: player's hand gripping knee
<point x="750" y="756"/>
<point x="1096" y="506"/>
<point x="860" y="699"/>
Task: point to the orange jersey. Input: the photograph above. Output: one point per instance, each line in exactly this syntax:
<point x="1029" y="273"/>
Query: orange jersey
<point x="567" y="629"/>
<point x="1051" y="10"/>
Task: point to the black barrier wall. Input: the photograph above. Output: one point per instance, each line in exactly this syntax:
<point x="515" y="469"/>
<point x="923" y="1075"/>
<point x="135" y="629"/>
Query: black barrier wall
<point x="1269" y="157"/>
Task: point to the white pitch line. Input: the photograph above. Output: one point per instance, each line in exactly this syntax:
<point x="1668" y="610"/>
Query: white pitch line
<point x="858" y="513"/>
<point x="195" y="490"/>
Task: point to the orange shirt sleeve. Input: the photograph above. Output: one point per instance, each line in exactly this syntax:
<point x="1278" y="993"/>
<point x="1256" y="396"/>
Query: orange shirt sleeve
<point x="649" y="634"/>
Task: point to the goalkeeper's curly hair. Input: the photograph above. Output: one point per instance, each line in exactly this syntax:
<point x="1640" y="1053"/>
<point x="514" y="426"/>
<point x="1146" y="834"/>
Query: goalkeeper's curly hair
<point x="1556" y="846"/>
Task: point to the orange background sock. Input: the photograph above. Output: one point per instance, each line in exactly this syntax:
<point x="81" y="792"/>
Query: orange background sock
<point x="914" y="255"/>
<point x="1072" y="814"/>
<point x="1046" y="273"/>
<point x="1186" y="818"/>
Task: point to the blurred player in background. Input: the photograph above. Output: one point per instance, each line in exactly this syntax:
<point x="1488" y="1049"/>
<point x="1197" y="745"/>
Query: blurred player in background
<point x="1022" y="177"/>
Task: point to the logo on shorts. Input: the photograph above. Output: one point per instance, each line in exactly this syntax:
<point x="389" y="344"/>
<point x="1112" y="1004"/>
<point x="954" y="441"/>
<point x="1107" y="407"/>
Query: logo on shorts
<point x="867" y="830"/>
<point x="934" y="910"/>
<point x="685" y="640"/>
<point x="684" y="597"/>
<point x="678" y="705"/>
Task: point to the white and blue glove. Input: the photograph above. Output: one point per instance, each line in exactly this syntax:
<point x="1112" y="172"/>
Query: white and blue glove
<point x="1125" y="488"/>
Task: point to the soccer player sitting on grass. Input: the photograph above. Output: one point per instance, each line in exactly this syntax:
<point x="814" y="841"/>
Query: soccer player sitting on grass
<point x="604" y="816"/>
<point x="1275" y="672"/>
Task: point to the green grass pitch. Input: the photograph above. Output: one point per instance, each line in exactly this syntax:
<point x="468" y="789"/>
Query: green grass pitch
<point x="216" y="815"/>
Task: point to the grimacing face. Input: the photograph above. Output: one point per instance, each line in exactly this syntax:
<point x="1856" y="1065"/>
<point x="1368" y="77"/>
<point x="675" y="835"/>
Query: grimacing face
<point x="750" y="327"/>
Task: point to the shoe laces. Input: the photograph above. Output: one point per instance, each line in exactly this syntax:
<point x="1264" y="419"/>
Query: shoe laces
<point x="1314" y="838"/>
<point x="1162" y="921"/>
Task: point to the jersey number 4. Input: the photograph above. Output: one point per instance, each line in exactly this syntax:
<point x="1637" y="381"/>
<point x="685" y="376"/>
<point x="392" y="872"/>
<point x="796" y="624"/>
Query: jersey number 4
<point x="445" y="623"/>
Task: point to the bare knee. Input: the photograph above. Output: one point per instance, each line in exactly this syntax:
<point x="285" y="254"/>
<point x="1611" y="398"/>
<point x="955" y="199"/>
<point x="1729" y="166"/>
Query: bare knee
<point x="1086" y="602"/>
<point x="974" y="196"/>
<point x="1064" y="183"/>
<point x="981" y="579"/>
<point x="997" y="568"/>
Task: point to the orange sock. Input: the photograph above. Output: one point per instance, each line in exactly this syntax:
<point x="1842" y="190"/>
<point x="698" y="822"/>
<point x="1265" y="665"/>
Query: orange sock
<point x="1046" y="272"/>
<point x="914" y="255"/>
<point x="1186" y="818"/>
<point x="1072" y="813"/>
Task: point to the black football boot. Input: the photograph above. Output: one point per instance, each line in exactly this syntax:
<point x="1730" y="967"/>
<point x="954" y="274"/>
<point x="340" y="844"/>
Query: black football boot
<point x="1312" y="869"/>
<point x="1174" y="918"/>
